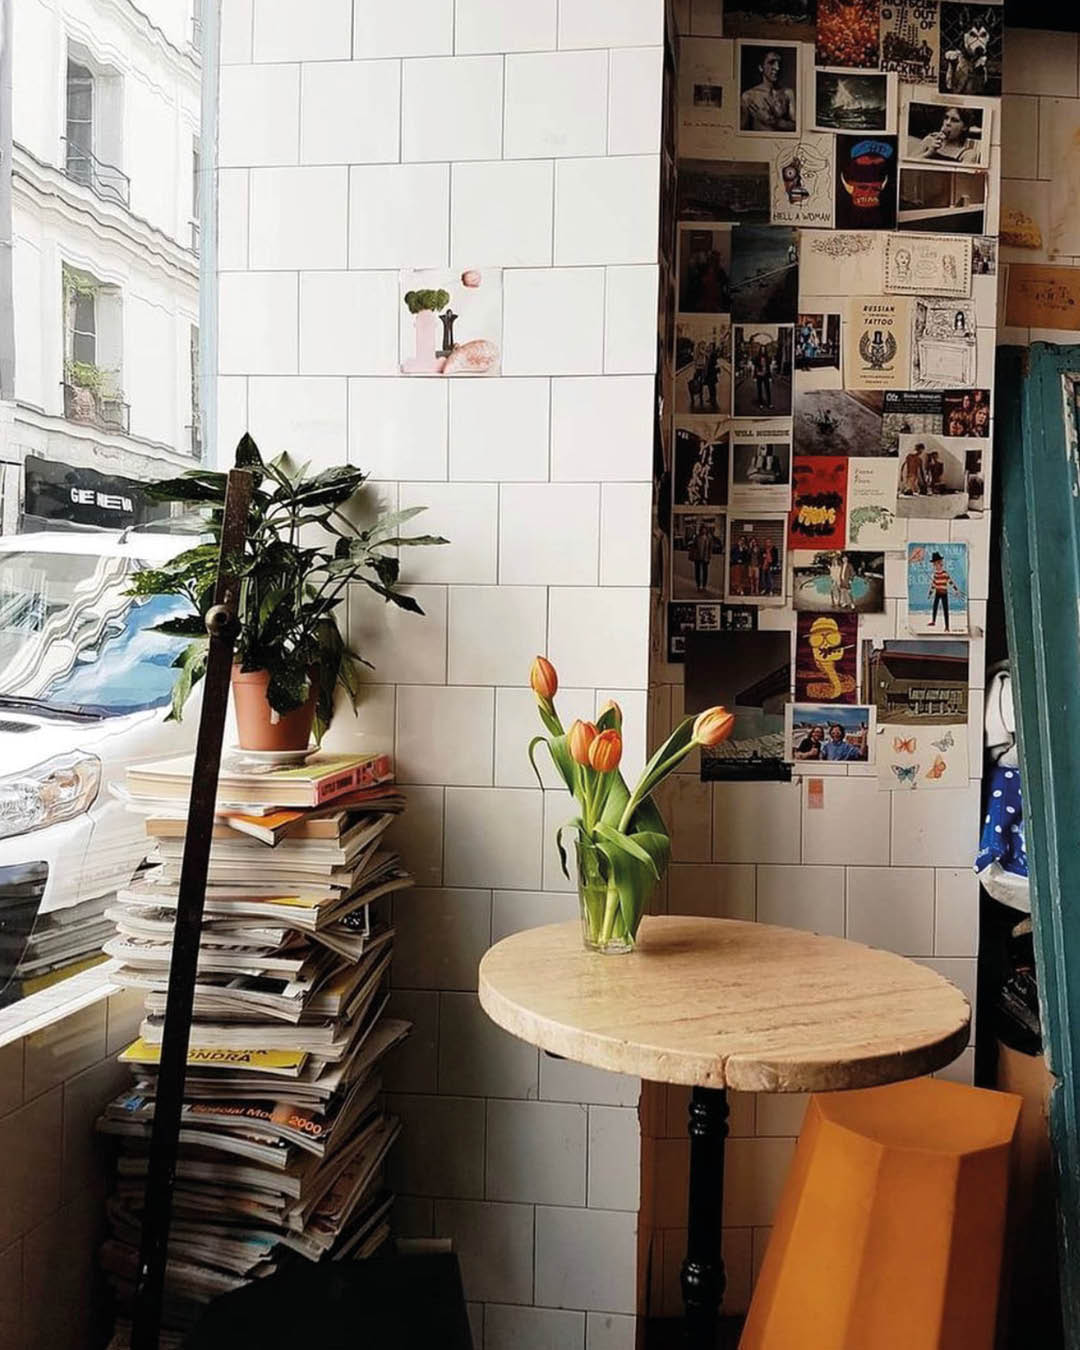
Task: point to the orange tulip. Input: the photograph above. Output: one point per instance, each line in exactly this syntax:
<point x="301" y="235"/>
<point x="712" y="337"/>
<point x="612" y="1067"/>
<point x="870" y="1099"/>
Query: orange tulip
<point x="543" y="679"/>
<point x="611" y="707"/>
<point x="579" y="738"/>
<point x="606" y="751"/>
<point x="713" y="726"/>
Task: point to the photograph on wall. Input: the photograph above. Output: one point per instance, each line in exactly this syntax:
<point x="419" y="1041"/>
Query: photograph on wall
<point x="984" y="251"/>
<point x="877" y="351"/>
<point x="828" y="733"/>
<point x="713" y="617"/>
<point x="734" y="190"/>
<point x="773" y="20"/>
<point x="834" y="581"/>
<point x="872" y="521"/>
<point x="704" y="269"/>
<point x="865" y="182"/>
<point x="697" y="555"/>
<point x="916" y="683"/>
<point x="937" y="587"/>
<point x="818" y="517"/>
<point x="702" y="364"/>
<point x="942" y="201"/>
<point x="852" y="100"/>
<point x="760" y="478"/>
<point x="946" y="133"/>
<point x="451" y="321"/>
<point x="848" y="34"/>
<point x="699" y="475"/>
<point x="802" y="180"/>
<point x="749" y="673"/>
<point x="907" y="411"/>
<point x="933" y="758"/>
<point x="762" y="355"/>
<point x="755" y="559"/>
<point x="837" y="422"/>
<point x="817" y="345"/>
<point x="928" y="264"/>
<point x="841" y="263"/>
<point x="910" y="39"/>
<point x="826" y="658"/>
<point x="764" y="274"/>
<point x="768" y="88"/>
<point x="944" y="344"/>
<point x="707" y="95"/>
<point x="940" y="478"/>
<point x="969" y="55"/>
<point x="966" y="412"/>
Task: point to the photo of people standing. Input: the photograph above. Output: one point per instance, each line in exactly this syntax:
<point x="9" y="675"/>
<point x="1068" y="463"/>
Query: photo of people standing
<point x="697" y="555"/>
<point x="704" y="269"/>
<point x="702" y="365"/>
<point x="829" y="734"/>
<point x="755" y="561"/>
<point x="762" y="370"/>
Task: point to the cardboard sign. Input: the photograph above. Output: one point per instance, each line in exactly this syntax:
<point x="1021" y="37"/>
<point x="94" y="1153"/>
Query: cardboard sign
<point x="1043" y="297"/>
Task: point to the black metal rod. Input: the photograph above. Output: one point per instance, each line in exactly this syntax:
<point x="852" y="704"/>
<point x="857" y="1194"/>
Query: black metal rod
<point x="221" y="625"/>
<point x="703" y="1280"/>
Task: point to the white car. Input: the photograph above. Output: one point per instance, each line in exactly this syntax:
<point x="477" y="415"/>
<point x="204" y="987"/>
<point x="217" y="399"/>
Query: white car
<point x="84" y="693"/>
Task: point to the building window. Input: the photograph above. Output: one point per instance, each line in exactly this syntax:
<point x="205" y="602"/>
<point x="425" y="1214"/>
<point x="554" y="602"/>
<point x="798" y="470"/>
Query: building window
<point x="196" y="194"/>
<point x="93" y="384"/>
<point x="196" y="415"/>
<point x="93" y="127"/>
<point x="80" y="123"/>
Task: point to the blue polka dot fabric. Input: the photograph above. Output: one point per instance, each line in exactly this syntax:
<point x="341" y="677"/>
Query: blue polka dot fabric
<point x="1003" y="824"/>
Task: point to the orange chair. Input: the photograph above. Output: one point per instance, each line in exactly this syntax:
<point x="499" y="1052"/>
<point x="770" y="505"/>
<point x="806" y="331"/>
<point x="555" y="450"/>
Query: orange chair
<point x="890" y="1232"/>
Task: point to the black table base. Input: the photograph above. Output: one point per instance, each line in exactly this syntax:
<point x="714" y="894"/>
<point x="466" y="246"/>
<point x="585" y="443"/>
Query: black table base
<point x="702" y="1277"/>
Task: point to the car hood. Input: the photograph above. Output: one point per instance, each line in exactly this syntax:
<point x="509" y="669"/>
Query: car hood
<point x="27" y="739"/>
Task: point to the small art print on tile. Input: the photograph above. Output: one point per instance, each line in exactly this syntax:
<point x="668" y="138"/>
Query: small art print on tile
<point x="768" y="88"/>
<point x="909" y="758"/>
<point x="755" y="559"/>
<point x="826" y="658"/>
<point x="928" y="264"/>
<point x="451" y="322"/>
<point x="818" y="517"/>
<point x="872" y="520"/>
<point x="749" y="672"/>
<point x="835" y="582"/>
<point x="848" y="100"/>
<point x="910" y="39"/>
<point x="944" y="344"/>
<point x="866" y="182"/>
<point x="971" y="39"/>
<point x="916" y="683"/>
<point x="829" y="733"/>
<point x="877" y="354"/>
<point x="848" y="34"/>
<point x="802" y="180"/>
<point x="937" y="588"/>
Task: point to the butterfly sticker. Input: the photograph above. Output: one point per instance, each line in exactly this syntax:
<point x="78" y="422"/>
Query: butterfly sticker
<point x="904" y="745"/>
<point x="937" y="768"/>
<point x="946" y="742"/>
<point x="906" y="774"/>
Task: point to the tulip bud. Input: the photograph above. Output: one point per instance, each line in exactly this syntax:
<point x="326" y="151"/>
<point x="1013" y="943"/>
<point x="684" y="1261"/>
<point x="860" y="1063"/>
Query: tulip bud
<point x="606" y="751"/>
<point x="713" y="726"/>
<point x="579" y="738"/>
<point x="612" y="712"/>
<point x="543" y="679"/>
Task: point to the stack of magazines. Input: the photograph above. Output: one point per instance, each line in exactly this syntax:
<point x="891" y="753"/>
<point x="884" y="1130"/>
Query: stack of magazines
<point x="283" y="1137"/>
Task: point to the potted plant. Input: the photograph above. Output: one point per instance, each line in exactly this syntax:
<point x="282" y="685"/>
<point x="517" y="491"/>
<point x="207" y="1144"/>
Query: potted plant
<point x="302" y="551"/>
<point x="620" y="839"/>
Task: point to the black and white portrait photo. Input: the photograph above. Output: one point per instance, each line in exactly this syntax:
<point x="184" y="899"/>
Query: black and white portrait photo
<point x="949" y="133"/>
<point x="768" y="89"/>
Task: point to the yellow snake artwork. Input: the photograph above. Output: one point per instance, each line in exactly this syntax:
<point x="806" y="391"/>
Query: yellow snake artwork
<point x="827" y="648"/>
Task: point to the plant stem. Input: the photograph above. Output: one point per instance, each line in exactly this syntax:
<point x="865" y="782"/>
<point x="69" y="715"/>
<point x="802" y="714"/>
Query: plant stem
<point x="611" y="911"/>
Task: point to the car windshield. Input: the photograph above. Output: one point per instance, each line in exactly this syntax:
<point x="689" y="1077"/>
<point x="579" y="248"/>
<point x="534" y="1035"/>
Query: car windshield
<point x="72" y="642"/>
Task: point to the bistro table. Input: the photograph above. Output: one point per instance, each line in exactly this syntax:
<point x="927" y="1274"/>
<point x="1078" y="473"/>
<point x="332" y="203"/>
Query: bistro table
<point x="718" y="1004"/>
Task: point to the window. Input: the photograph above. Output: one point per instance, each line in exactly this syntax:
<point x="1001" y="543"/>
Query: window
<point x="196" y="415"/>
<point x="196" y="194"/>
<point x="93" y="315"/>
<point x="84" y="330"/>
<point x="93" y="127"/>
<point x="80" y="122"/>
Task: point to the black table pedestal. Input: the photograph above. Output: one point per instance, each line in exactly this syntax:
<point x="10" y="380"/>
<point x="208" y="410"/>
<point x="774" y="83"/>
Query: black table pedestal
<point x="702" y="1276"/>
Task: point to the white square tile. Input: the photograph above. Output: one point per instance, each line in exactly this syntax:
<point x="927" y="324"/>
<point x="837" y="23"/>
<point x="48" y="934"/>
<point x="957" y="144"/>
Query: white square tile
<point x="756" y="822"/>
<point x="508" y="1328"/>
<point x="232" y="419"/>
<point x="1036" y="63"/>
<point x="408" y="28"/>
<point x="444" y="735"/>
<point x="404" y="648"/>
<point x="936" y="829"/>
<point x="536" y="1152"/>
<point x="370" y="730"/>
<point x="610" y="23"/>
<point x="553" y="321"/>
<point x="257" y="323"/>
<point x="451" y="108"/>
<point x="298" y="217"/>
<point x="606" y="210"/>
<point x="397" y="428"/>
<point x="712" y="890"/>
<point x="514" y="911"/>
<point x="614" y="1158"/>
<point x="811" y="898"/>
<point x="441" y="1147"/>
<point x="494" y="1243"/>
<point x="499" y="430"/>
<point x="600" y="635"/>
<point x="399" y="215"/>
<point x="324" y="35"/>
<point x="479" y="1059"/>
<point x="514" y="615"/>
<point x="539" y="126"/>
<point x="634" y="112"/>
<point x="258" y="115"/>
<point x="348" y="323"/>
<point x="303" y="414"/>
<point x="586" y="1259"/>
<point x="561" y="1080"/>
<point x="417" y="834"/>
<point x="501" y="213"/>
<point x="413" y="1065"/>
<point x="685" y="802"/>
<point x="630" y="319"/>
<point x="851" y="827"/>
<point x="234" y="27"/>
<point x="516" y="723"/>
<point x="350" y="112"/>
<point x="495" y="26"/>
<point x="892" y="908"/>
<point x="1019" y="136"/>
<point x="610" y="1331"/>
<point x="548" y="534"/>
<point x="465" y="513"/>
<point x="440" y="937"/>
<point x="493" y="837"/>
<point x="559" y="809"/>
<point x="625" y="529"/>
<point x="602" y="429"/>
<point x="232" y="185"/>
<point x="956" y="912"/>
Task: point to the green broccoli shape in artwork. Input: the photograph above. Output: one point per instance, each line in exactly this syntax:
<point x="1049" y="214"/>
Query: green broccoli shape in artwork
<point x="420" y="300"/>
<point x="862" y="516"/>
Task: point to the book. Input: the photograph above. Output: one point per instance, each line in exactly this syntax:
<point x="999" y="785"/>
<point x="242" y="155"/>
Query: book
<point x="320" y="779"/>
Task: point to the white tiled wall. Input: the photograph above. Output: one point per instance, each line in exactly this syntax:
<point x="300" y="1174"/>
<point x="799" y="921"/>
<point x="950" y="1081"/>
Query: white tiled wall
<point x="422" y="133"/>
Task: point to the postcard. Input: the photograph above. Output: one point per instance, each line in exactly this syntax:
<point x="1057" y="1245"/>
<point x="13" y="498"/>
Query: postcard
<point x="876" y="354"/>
<point x="762" y="370"/>
<point x="818" y="517"/>
<point x="697" y="554"/>
<point x="848" y="34"/>
<point x="451" y="322"/>
<point x="916" y="683"/>
<point x="872" y="520"/>
<point x="699" y="478"/>
<point x="704" y="269"/>
<point x="965" y="412"/>
<point x="831" y="581"/>
<point x="769" y="93"/>
<point x="760" y="460"/>
<point x="909" y="410"/>
<point x="866" y="182"/>
<point x="910" y="39"/>
<point x="755" y="559"/>
<point x="851" y="100"/>
<point x="838" y="422"/>
<point x="764" y="274"/>
<point x="946" y="134"/>
<point x="1043" y="297"/>
<point x="944" y="344"/>
<point x="724" y="190"/>
<point x="707" y="94"/>
<point x="942" y="200"/>
<point x="838" y="263"/>
<point x="826" y="658"/>
<point x="984" y="249"/>
<point x="937" y="587"/>
<point x="702" y="363"/>
<point x="684" y="618"/>
<point x="940" y="478"/>
<point x="818" y="350"/>
<point x="750" y="673"/>
<point x="909" y="759"/>
<point x="928" y="264"/>
<point x="970" y="48"/>
<point x="828" y="733"/>
<point x="773" y="20"/>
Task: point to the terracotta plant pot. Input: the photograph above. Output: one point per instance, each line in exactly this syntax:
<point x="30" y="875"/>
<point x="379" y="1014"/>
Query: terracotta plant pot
<point x="258" y="727"/>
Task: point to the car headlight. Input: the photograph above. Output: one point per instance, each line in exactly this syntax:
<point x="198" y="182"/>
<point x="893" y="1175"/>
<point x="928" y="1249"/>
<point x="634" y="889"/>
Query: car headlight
<point x="55" y="790"/>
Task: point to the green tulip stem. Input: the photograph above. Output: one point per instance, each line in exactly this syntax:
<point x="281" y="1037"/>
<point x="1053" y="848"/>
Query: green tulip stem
<point x="611" y="910"/>
<point x="650" y="781"/>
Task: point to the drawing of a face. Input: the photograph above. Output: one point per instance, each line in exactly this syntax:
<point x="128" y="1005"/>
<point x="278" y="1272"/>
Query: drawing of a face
<point x="903" y="261"/>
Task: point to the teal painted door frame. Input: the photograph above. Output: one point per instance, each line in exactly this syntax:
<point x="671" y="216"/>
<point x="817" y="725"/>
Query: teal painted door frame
<point x="1040" y="480"/>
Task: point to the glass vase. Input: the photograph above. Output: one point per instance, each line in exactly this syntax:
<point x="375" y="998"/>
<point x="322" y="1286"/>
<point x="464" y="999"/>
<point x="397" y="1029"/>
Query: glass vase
<point x="604" y="917"/>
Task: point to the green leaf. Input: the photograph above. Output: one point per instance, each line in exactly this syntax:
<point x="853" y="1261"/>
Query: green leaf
<point x="393" y="597"/>
<point x="184" y="625"/>
<point x="578" y="825"/>
<point x="628" y="844"/>
<point x="392" y="519"/>
<point x="247" y="454"/>
<point x="407" y="541"/>
<point x="191" y="663"/>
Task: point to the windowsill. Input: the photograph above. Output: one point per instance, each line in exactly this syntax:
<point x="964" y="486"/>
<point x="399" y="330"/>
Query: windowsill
<point x="59" y="1001"/>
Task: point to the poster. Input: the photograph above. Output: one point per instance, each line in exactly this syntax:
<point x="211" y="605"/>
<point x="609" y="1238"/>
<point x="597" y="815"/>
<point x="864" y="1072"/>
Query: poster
<point x="937" y="587"/>
<point x="760" y="472"/>
<point x="848" y="34"/>
<point x="940" y="478"/>
<point x="910" y="39"/>
<point x="769" y="94"/>
<point x="750" y="674"/>
<point x="733" y="190"/>
<point x="831" y="581"/>
<point x="970" y="48"/>
<point x="764" y="274"/>
<point x="755" y="559"/>
<point x="707" y="95"/>
<point x="838" y="422"/>
<point x="762" y="366"/>
<point x="702" y="363"/>
<point x="803" y="173"/>
<point x="944" y="344"/>
<point x="872" y="520"/>
<point x="828" y="733"/>
<point x="966" y="412"/>
<point x="841" y="263"/>
<point x="826" y="658"/>
<point x="685" y="617"/>
<point x="818" y="517"/>
<point x="866" y="182"/>
<point x="908" y="759"/>
<point x="704" y="269"/>
<point x="451" y="321"/>
<point x="699" y="478"/>
<point x="876" y="352"/>
<point x="928" y="264"/>
<point x="910" y="410"/>
<point x="771" y="19"/>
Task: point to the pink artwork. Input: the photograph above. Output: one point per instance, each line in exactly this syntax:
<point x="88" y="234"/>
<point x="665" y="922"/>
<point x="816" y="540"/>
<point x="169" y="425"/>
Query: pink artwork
<point x="456" y="322"/>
